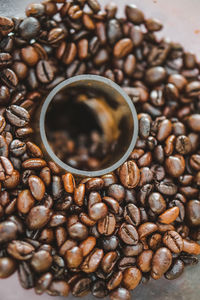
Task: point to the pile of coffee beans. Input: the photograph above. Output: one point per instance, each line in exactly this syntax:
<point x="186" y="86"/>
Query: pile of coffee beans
<point x="100" y="235"/>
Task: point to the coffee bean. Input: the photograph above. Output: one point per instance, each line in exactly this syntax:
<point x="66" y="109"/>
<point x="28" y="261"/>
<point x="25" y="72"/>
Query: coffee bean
<point x="133" y="250"/>
<point x="26" y="276"/>
<point x="167" y="187"/>
<point x="131" y="278"/>
<point x="175" y="165"/>
<point x="176" y="270"/>
<point x="132" y="214"/>
<point x="191" y="247"/>
<point x="153" y="25"/>
<point x="169" y="215"/>
<point x="155" y="75"/>
<point x="34" y="163"/>
<point x="128" y="234"/>
<point x="134" y="14"/>
<point x="183" y="144"/>
<point x="56" y="35"/>
<point x="78" y="231"/>
<point x="99" y="289"/>
<point x="94" y="184"/>
<point x="106" y="226"/>
<point x="194" y="122"/>
<point x="59" y="288"/>
<point x="82" y="287"/>
<point x="9" y="77"/>
<point x="7" y="267"/>
<point x="161" y="262"/>
<point x="6" y="25"/>
<point x="38" y="217"/>
<point x="44" y="71"/>
<point x="129" y="174"/>
<point x="157" y="203"/>
<point x="117" y="192"/>
<point x="114" y="31"/>
<point x="155" y="241"/>
<point x="8" y="231"/>
<point x="122" y="48"/>
<point x="173" y="241"/>
<point x="20" y="250"/>
<point x="37" y="187"/>
<point x="126" y="262"/>
<point x="193" y="212"/>
<point x="108" y="262"/>
<point x="29" y="28"/>
<point x="25" y="202"/>
<point x="144" y="260"/>
<point x="17" y="116"/>
<point x="92" y="261"/>
<point x="43" y="283"/>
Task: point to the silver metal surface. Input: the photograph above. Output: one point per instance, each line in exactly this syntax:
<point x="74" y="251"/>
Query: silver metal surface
<point x="182" y="24"/>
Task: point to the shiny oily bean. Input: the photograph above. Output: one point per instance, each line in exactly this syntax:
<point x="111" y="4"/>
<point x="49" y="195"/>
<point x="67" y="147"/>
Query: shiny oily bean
<point x="161" y="262"/>
<point x="134" y="14"/>
<point x="128" y="234"/>
<point x="116" y="191"/>
<point x="78" y="231"/>
<point x="191" y="247"/>
<point x="122" y="48"/>
<point x="43" y="283"/>
<point x="38" y="217"/>
<point x="155" y="241"/>
<point x="8" y="231"/>
<point x="37" y="187"/>
<point x="81" y="287"/>
<point x="94" y="184"/>
<point x="144" y="260"/>
<point x="176" y="270"/>
<point x="115" y="281"/>
<point x="59" y="288"/>
<point x="193" y="212"/>
<point x="7" y="267"/>
<point x="126" y="262"/>
<point x="34" y="163"/>
<point x="45" y="175"/>
<point x="173" y="241"/>
<point x="108" y="262"/>
<point x="34" y="150"/>
<point x="112" y="204"/>
<point x="69" y="182"/>
<point x="175" y="165"/>
<point x="74" y="257"/>
<point x="88" y="245"/>
<point x="131" y="278"/>
<point x="106" y="226"/>
<point x="133" y="250"/>
<point x="20" y="250"/>
<point x="98" y="211"/>
<point x="12" y="181"/>
<point x="156" y="203"/>
<point x="79" y="194"/>
<point x="120" y="294"/>
<point x="132" y="214"/>
<point x="92" y="261"/>
<point x="129" y="174"/>
<point x="25" y="201"/>
<point x="194" y="122"/>
<point x="17" y="116"/>
<point x="41" y="261"/>
<point x="98" y="289"/>
<point x="146" y="229"/>
<point x="169" y="216"/>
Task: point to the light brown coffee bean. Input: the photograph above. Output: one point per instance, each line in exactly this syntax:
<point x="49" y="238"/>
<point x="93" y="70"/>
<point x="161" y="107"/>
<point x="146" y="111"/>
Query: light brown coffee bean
<point x="173" y="241"/>
<point x="161" y="262"/>
<point x="131" y="278"/>
<point x="25" y="201"/>
<point x="37" y="187"/>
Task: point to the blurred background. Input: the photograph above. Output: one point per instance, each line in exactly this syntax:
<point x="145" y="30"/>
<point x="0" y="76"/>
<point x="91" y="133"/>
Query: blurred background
<point x="181" y="24"/>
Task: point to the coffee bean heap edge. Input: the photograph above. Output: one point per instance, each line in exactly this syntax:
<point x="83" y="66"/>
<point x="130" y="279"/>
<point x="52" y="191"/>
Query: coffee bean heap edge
<point x="104" y="235"/>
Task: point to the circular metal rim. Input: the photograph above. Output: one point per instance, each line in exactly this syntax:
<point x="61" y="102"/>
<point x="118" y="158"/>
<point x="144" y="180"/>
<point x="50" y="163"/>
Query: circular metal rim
<point x="49" y="150"/>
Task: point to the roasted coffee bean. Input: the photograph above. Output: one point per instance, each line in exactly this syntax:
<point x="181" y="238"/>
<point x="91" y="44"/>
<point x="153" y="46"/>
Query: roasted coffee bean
<point x="128" y="234"/>
<point x="191" y="247"/>
<point x="37" y="187"/>
<point x="9" y="77"/>
<point x="106" y="226"/>
<point x="29" y="28"/>
<point x="133" y="250"/>
<point x="169" y="215"/>
<point x="134" y="14"/>
<point x="176" y="270"/>
<point x="129" y="174"/>
<point x="17" y="116"/>
<point x="175" y="165"/>
<point x="78" y="231"/>
<point x="120" y="294"/>
<point x="44" y="71"/>
<point x="59" y="288"/>
<point x="38" y="217"/>
<point x="131" y="278"/>
<point x="146" y="229"/>
<point x="99" y="289"/>
<point x="122" y="48"/>
<point x="126" y="262"/>
<point x="25" y="201"/>
<point x="20" y="250"/>
<point x="193" y="212"/>
<point x="108" y="262"/>
<point x="153" y="24"/>
<point x="8" y="231"/>
<point x="144" y="260"/>
<point x="74" y="257"/>
<point x="92" y="261"/>
<point x="155" y="241"/>
<point x="161" y="262"/>
<point x="6" y="25"/>
<point x="26" y="276"/>
<point x="132" y="214"/>
<point x="157" y="203"/>
<point x="81" y="287"/>
<point x="117" y="192"/>
<point x="194" y="122"/>
<point x="155" y="75"/>
<point x="7" y="267"/>
<point x="43" y="283"/>
<point x="173" y="241"/>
